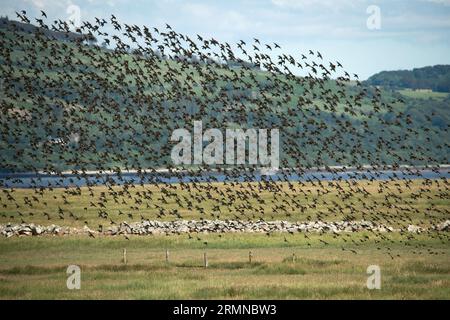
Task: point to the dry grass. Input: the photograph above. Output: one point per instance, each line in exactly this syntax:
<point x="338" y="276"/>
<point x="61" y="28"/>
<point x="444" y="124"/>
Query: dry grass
<point x="33" y="268"/>
<point x="392" y="202"/>
<point x="412" y="266"/>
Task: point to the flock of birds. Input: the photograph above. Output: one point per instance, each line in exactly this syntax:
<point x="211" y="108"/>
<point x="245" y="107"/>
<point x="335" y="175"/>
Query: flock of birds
<point x="68" y="103"/>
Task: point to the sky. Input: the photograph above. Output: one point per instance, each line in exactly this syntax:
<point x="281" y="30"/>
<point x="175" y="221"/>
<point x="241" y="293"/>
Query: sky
<point x="366" y="36"/>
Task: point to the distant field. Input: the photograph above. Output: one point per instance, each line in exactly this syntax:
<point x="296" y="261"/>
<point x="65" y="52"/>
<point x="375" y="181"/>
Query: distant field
<point x="400" y="202"/>
<point x="32" y="268"/>
<point x="423" y="94"/>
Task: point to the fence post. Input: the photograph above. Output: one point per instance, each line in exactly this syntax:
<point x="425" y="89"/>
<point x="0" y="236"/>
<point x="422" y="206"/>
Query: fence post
<point x="167" y="256"/>
<point x="250" y="255"/>
<point x="205" y="260"/>
<point x="125" y="256"/>
<point x="293" y="257"/>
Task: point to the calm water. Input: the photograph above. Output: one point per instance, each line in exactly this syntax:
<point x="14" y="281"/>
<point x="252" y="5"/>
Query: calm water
<point x="31" y="180"/>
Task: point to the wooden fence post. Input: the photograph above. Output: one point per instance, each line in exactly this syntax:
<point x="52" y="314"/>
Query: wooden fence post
<point x="125" y="256"/>
<point x="250" y="255"/>
<point x="205" y="260"/>
<point x="167" y="256"/>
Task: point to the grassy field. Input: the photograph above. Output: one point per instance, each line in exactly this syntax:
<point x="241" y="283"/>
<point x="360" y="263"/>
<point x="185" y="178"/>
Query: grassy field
<point x="396" y="203"/>
<point x="417" y="94"/>
<point x="33" y="268"/>
<point x="326" y="266"/>
<point x="412" y="266"/>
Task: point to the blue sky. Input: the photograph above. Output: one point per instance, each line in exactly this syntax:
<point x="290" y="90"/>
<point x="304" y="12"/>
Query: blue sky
<point x="412" y="33"/>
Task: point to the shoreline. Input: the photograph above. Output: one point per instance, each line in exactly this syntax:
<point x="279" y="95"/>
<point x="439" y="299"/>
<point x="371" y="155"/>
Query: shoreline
<point x="328" y="169"/>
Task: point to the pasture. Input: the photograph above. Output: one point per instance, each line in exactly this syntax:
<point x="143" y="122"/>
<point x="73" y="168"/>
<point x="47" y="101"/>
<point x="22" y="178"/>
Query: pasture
<point x="35" y="268"/>
<point x="421" y="94"/>
<point x="283" y="266"/>
<point x="396" y="202"/>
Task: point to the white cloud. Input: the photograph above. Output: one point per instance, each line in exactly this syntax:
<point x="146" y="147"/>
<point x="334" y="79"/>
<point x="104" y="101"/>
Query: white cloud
<point x="444" y="2"/>
<point x="47" y="4"/>
<point x="199" y="10"/>
<point x="229" y="20"/>
<point x="39" y="3"/>
<point x="308" y="4"/>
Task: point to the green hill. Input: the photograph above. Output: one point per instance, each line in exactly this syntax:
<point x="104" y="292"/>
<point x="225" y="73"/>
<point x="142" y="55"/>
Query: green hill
<point x="116" y="108"/>
<point x="435" y="78"/>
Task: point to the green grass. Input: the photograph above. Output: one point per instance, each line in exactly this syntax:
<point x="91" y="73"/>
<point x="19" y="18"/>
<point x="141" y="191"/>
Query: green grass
<point x="413" y="266"/>
<point x="417" y="94"/>
<point x="35" y="268"/>
<point x="420" y="202"/>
